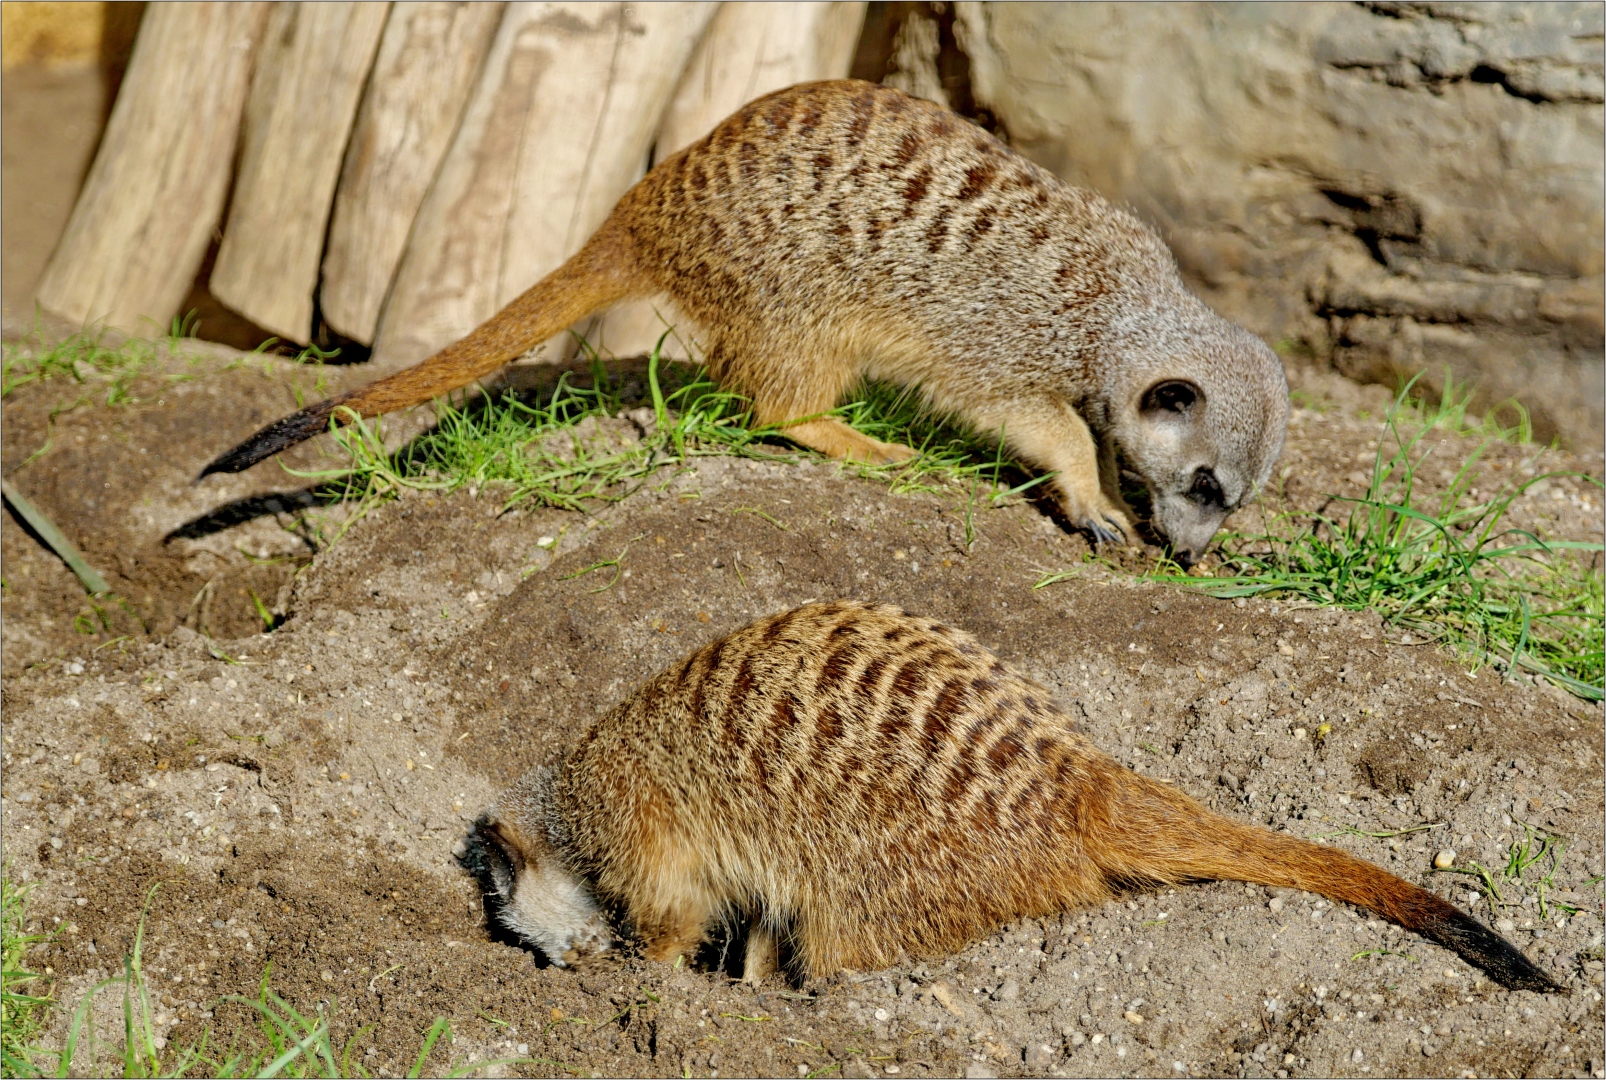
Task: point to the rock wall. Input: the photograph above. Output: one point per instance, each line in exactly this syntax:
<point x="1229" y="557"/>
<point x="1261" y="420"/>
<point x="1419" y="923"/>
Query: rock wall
<point x="1386" y="188"/>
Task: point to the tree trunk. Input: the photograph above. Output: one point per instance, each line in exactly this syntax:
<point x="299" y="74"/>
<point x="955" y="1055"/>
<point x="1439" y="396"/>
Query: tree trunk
<point x="154" y="195"/>
<point x="750" y="49"/>
<point x="429" y="59"/>
<point x="557" y="130"/>
<point x="315" y="60"/>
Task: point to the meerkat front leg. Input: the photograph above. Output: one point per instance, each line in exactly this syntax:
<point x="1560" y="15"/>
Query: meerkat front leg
<point x="1052" y="435"/>
<point x="1110" y="478"/>
<point x="673" y="932"/>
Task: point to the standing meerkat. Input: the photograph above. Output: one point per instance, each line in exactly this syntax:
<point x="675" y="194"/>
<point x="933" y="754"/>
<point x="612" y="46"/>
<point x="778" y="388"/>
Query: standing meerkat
<point x="835" y="231"/>
<point x="861" y="785"/>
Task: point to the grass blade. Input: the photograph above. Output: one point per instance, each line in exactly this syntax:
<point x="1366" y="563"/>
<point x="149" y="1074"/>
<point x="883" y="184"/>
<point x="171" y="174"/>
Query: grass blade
<point x="1456" y="574"/>
<point x="64" y="549"/>
<point x="440" y="1027"/>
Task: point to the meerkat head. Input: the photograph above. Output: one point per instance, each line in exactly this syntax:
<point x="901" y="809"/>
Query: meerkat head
<point x="530" y="888"/>
<point x="1203" y="430"/>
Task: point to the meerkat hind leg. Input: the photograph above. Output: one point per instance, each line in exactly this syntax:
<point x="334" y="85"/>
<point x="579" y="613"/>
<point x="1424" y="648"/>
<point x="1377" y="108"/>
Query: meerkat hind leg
<point x="763" y="953"/>
<point x="833" y="438"/>
<point x="820" y="382"/>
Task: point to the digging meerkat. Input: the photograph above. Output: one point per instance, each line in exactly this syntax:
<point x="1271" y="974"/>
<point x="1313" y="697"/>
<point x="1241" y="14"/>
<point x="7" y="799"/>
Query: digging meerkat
<point x="858" y="786"/>
<point x="835" y="231"/>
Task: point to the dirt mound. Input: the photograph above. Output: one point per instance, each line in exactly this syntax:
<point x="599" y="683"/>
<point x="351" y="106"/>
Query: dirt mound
<point x="298" y="794"/>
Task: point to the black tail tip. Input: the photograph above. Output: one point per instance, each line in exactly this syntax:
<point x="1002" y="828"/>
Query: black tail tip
<point x="275" y="438"/>
<point x="1494" y="955"/>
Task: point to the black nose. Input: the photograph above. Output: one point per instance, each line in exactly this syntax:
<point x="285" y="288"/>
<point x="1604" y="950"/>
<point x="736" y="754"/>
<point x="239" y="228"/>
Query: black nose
<point x="1184" y="557"/>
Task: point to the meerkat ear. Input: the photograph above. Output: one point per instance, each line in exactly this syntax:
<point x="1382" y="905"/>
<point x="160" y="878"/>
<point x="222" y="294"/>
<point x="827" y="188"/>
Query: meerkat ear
<point x="1171" y="396"/>
<point x="492" y="857"/>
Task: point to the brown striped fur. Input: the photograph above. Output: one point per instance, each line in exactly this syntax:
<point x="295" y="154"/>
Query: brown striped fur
<point x="865" y="785"/>
<point x="840" y="230"/>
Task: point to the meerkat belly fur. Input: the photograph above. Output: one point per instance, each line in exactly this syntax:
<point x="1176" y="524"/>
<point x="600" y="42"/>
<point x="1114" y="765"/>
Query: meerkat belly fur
<point x="841" y="230"/>
<point x="861" y="786"/>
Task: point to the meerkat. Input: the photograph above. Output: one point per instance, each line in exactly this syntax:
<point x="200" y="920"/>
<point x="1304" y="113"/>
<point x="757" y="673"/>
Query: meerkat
<point x="837" y="231"/>
<point x="861" y="786"/>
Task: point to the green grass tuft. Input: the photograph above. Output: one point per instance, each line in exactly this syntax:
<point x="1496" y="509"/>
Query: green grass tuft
<point x="1538" y="851"/>
<point x="95" y="357"/>
<point x="22" y="1011"/>
<point x="99" y="359"/>
<point x="538" y="449"/>
<point x="1452" y="412"/>
<point x="1451" y="570"/>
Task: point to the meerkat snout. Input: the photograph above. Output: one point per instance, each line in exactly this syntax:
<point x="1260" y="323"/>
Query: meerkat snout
<point x="1205" y="444"/>
<point x="530" y="889"/>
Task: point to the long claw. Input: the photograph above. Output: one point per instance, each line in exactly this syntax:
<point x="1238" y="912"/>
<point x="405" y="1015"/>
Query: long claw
<point x="1100" y="534"/>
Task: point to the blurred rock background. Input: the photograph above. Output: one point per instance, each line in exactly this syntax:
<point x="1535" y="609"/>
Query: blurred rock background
<point x="1384" y="187"/>
<point x="1381" y="188"/>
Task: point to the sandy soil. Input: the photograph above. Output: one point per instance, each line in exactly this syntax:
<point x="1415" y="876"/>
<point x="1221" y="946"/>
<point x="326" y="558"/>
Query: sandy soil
<point x="298" y="793"/>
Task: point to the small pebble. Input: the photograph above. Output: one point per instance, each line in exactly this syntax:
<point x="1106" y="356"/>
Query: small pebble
<point x="882" y="1015"/>
<point x="1505" y="926"/>
<point x="1132" y="1017"/>
<point x="1444" y="859"/>
<point x="1275" y="903"/>
<point x="546" y="541"/>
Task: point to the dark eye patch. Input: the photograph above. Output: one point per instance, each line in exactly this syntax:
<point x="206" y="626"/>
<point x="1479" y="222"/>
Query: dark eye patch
<point x="1171" y="396"/>
<point x="1206" y="489"/>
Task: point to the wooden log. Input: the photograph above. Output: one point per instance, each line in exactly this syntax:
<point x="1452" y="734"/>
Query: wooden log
<point x="315" y="59"/>
<point x="429" y="58"/>
<point x="155" y="192"/>
<point x="557" y="130"/>
<point x="750" y="49"/>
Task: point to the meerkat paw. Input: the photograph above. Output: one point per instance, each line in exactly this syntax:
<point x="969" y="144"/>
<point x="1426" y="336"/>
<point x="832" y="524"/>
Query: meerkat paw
<point x="588" y="942"/>
<point x="886" y="453"/>
<point x="1102" y="520"/>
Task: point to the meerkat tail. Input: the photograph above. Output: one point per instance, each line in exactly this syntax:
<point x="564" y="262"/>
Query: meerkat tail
<point x="1155" y="833"/>
<point x="601" y="273"/>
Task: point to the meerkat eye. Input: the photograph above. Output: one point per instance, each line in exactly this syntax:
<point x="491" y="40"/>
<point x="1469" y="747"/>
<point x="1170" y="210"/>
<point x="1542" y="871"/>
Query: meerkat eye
<point x="1206" y="489"/>
<point x="1171" y="396"/>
